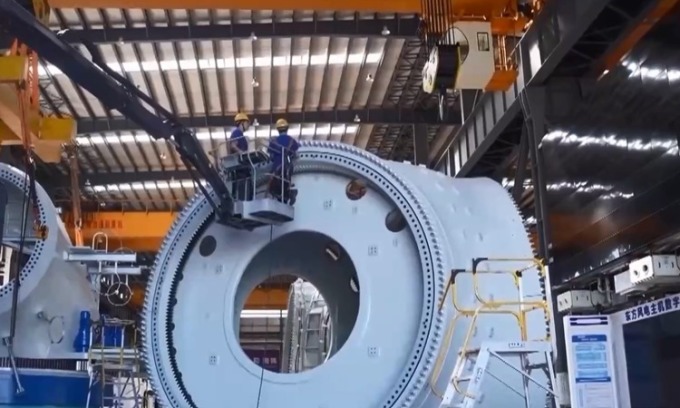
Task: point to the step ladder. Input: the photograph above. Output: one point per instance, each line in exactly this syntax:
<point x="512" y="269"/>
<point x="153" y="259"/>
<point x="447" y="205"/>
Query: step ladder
<point x="116" y="371"/>
<point x="479" y="359"/>
<point x="465" y="389"/>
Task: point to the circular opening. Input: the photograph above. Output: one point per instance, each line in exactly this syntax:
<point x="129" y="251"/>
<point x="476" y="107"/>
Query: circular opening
<point x="355" y="189"/>
<point x="295" y="309"/>
<point x="395" y="221"/>
<point x="207" y="246"/>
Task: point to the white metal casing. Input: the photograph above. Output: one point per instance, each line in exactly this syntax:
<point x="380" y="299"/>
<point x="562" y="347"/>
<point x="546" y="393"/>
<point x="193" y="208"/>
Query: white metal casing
<point x="478" y="65"/>
<point x="579" y="301"/>
<point x="624" y="286"/>
<point x="655" y="269"/>
<point x="402" y="349"/>
<point x="53" y="292"/>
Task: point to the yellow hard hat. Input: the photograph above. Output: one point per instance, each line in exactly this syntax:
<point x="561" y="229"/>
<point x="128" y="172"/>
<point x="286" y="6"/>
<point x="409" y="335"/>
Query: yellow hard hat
<point x="241" y="117"/>
<point x="281" y="124"/>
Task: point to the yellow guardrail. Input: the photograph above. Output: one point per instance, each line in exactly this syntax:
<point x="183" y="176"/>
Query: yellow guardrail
<point x="487" y="306"/>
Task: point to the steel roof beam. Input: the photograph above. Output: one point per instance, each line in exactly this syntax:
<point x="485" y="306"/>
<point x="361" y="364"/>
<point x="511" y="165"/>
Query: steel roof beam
<point x="349" y="116"/>
<point x="115" y="178"/>
<point x="398" y="27"/>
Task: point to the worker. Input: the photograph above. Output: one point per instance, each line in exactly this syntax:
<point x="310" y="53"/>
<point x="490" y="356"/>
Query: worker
<point x="237" y="140"/>
<point x="281" y="151"/>
<point x="238" y="144"/>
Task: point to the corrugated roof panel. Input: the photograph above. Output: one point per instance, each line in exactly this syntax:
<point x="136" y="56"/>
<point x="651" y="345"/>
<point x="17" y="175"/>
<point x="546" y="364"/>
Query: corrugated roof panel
<point x="225" y="76"/>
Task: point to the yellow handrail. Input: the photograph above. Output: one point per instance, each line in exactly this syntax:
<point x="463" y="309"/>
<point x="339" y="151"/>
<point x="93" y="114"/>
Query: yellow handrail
<point x="486" y="307"/>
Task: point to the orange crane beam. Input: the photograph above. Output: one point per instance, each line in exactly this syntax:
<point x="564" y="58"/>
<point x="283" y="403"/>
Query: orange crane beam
<point x="145" y="231"/>
<point x="260" y="298"/>
<point x="461" y="7"/>
<point x="138" y="231"/>
<point x="630" y="39"/>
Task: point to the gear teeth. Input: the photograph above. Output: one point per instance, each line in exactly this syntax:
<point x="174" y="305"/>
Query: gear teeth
<point x="405" y="390"/>
<point x="544" y="293"/>
<point x="148" y="310"/>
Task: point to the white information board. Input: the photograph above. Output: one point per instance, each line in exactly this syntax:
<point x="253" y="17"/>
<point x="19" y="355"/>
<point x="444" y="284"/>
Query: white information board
<point x="592" y="382"/>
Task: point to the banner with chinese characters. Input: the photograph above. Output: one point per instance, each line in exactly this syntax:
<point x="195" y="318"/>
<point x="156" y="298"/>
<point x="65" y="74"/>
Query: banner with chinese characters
<point x="268" y="358"/>
<point x="652" y="308"/>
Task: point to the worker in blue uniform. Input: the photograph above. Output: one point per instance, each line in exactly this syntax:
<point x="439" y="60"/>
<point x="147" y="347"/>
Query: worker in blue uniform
<point x="282" y="150"/>
<point x="238" y="144"/>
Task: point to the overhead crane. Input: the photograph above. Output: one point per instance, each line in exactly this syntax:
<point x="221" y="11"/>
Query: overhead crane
<point x="413" y="353"/>
<point x="21" y="120"/>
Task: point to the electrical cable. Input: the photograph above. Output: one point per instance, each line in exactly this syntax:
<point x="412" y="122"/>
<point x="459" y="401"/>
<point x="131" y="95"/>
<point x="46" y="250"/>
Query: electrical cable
<point x="259" y="391"/>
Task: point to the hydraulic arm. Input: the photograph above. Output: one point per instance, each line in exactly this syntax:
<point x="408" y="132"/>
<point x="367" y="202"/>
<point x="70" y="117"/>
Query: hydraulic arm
<point x="116" y="92"/>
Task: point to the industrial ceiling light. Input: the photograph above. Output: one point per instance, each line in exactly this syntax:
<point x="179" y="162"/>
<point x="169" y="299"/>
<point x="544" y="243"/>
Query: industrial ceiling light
<point x="256" y="122"/>
<point x="385" y="31"/>
<point x="357" y="119"/>
<point x="254" y="83"/>
<point x="253" y="37"/>
<point x="369" y="78"/>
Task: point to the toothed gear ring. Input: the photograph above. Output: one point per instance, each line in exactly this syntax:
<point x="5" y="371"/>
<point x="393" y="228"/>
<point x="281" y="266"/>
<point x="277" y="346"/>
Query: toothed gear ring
<point x="399" y="237"/>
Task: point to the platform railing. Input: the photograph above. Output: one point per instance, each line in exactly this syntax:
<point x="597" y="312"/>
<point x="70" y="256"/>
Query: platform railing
<point x="486" y="306"/>
<point x="116" y="366"/>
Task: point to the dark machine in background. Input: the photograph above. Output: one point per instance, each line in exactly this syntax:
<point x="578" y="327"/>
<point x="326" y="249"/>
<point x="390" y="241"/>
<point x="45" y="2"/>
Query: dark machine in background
<point x="652" y="349"/>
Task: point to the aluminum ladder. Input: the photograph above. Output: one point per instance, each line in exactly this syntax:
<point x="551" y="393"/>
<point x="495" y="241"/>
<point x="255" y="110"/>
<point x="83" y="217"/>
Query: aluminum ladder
<point x="464" y="390"/>
<point x="476" y="361"/>
<point x="313" y="336"/>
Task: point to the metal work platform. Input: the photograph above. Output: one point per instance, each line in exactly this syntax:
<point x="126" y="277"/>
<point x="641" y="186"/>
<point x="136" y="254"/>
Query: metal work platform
<point x="257" y="203"/>
<point x="102" y="262"/>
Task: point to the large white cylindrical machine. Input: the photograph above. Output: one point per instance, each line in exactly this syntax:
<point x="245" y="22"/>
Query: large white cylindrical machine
<point x="379" y="240"/>
<point x="52" y="292"/>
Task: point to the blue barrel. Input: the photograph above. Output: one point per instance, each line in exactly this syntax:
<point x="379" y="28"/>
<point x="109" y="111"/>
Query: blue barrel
<point x="112" y="334"/>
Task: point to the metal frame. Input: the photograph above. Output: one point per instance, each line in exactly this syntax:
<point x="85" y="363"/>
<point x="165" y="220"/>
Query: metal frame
<point x="391" y="116"/>
<point x="399" y="27"/>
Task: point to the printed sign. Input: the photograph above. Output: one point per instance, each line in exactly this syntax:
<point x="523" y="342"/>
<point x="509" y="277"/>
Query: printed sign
<point x="652" y="308"/>
<point x="590" y="363"/>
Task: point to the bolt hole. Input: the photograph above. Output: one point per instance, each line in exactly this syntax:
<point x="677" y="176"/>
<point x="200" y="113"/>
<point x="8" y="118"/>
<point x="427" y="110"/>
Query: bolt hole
<point x="207" y="246"/>
<point x="395" y="221"/>
<point x="355" y="189"/>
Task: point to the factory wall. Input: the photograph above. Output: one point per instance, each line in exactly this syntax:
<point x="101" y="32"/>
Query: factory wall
<point x="615" y="163"/>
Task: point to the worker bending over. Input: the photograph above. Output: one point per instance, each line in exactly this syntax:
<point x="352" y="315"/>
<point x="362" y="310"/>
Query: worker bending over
<point x="282" y="150"/>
